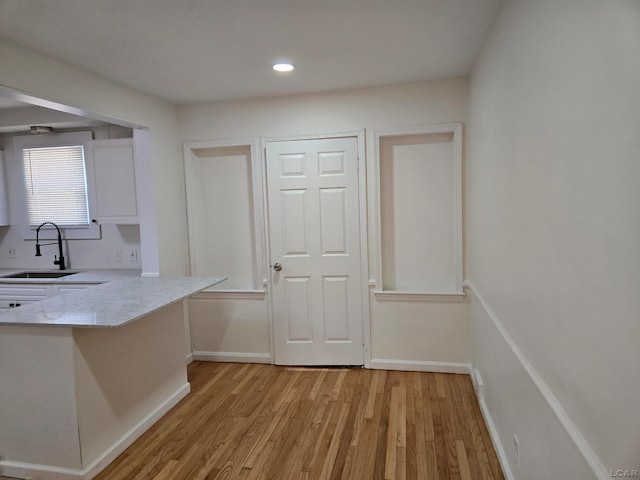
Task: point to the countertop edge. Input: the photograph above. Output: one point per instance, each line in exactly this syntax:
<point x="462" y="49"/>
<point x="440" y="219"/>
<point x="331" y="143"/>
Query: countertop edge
<point x="109" y="305"/>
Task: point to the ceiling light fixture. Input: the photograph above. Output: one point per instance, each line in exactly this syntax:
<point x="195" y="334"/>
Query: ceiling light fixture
<point x="283" y="67"/>
<point x="37" y="129"/>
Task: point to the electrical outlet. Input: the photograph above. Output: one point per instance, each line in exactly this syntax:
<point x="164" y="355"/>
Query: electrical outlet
<point x="516" y="451"/>
<point x="117" y="254"/>
<point x="133" y="255"/>
<point x="12" y="252"/>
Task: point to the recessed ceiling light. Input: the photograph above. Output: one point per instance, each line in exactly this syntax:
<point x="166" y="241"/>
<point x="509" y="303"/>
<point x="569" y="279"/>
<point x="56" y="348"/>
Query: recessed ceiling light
<point x="283" y="67"/>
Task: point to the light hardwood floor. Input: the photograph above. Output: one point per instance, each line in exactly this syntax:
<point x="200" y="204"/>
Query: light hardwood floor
<point x="246" y="421"/>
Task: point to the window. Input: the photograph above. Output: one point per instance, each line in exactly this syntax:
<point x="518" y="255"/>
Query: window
<point x="52" y="173"/>
<point x="56" y="186"/>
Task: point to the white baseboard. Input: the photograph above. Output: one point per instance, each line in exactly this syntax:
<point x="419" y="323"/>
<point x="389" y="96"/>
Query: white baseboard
<point x="493" y="433"/>
<point x="420" y="366"/>
<point x="132" y="435"/>
<point x="189" y="358"/>
<point x="234" y="357"/>
<point x="580" y="443"/>
<point x="376" y="364"/>
<point x="478" y="384"/>
<point x="29" y="470"/>
<point x="214" y="294"/>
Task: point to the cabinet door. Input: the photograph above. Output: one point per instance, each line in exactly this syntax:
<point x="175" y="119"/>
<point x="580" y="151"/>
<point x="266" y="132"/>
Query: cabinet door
<point x="4" y="204"/>
<point x="14" y="295"/>
<point x="112" y="166"/>
<point x="9" y="304"/>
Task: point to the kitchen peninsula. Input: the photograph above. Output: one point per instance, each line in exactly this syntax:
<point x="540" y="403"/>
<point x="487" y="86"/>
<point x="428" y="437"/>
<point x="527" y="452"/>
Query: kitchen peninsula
<point x="82" y="375"/>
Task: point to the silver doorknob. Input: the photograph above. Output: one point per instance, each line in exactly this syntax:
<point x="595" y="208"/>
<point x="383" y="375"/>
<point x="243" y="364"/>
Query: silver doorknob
<point x="277" y="267"/>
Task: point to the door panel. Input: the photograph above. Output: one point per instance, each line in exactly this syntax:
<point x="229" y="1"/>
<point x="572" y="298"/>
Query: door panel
<point x="299" y="318"/>
<point x="335" y="296"/>
<point x="333" y="217"/>
<point x="312" y="190"/>
<point x="294" y="222"/>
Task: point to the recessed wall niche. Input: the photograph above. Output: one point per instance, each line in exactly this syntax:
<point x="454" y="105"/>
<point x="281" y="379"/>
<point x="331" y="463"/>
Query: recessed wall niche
<point x="419" y="214"/>
<point x="220" y="212"/>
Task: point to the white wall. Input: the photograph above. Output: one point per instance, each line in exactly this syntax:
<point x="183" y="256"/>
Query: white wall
<point x="418" y="330"/>
<point x="46" y="78"/>
<point x="30" y="433"/>
<point x="229" y="329"/>
<point x="149" y="359"/>
<point x="553" y="234"/>
<point x="78" y="254"/>
<point x="417" y="219"/>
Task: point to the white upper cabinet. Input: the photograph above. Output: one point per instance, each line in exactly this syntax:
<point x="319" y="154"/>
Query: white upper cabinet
<point x="4" y="204"/>
<point x="111" y="165"/>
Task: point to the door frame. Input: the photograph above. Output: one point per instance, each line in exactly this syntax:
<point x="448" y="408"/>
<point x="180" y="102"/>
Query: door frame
<point x="359" y="135"/>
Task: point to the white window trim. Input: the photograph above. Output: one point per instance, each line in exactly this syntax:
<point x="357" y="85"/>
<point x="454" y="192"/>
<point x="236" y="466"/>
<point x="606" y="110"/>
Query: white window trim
<point x="69" y="232"/>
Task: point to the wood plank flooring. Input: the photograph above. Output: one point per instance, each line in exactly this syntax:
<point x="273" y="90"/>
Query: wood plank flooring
<point x="259" y="422"/>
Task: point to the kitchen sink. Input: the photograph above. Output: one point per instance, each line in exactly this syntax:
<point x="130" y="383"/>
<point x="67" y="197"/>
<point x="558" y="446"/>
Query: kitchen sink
<point x="39" y="275"/>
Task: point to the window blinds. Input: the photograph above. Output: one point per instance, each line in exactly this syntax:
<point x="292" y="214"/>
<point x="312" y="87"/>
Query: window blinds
<point x="56" y="185"/>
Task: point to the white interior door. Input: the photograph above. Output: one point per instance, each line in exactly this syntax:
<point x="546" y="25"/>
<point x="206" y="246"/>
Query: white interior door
<point x="315" y="239"/>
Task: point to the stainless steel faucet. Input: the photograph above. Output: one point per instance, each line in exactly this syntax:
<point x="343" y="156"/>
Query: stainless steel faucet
<point x="56" y="260"/>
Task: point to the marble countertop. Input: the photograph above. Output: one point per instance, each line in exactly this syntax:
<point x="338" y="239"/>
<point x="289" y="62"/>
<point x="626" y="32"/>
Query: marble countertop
<point x="111" y="304"/>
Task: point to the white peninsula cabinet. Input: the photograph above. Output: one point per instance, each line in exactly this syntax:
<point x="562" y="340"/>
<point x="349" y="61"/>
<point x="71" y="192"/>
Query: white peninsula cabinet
<point x="17" y="294"/>
<point x="84" y="374"/>
<point x="112" y="169"/>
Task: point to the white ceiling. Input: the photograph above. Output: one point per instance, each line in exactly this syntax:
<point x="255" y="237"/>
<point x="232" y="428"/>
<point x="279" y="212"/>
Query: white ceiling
<point x="207" y="50"/>
<point x="6" y="102"/>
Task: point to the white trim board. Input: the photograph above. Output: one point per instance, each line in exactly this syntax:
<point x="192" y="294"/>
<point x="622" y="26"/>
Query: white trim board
<point x="397" y="296"/>
<point x="229" y="295"/>
<point x="571" y="429"/>
<point x="376" y="364"/>
<point x="150" y="275"/>
<point x="420" y="366"/>
<point x="493" y="433"/>
<point x="231" y="357"/>
<point x="29" y="470"/>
